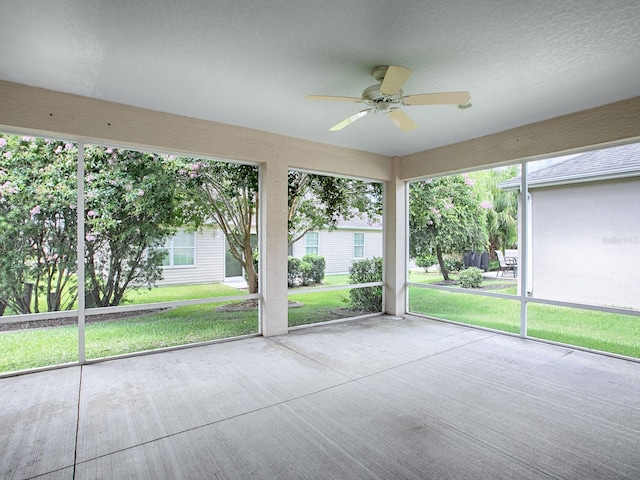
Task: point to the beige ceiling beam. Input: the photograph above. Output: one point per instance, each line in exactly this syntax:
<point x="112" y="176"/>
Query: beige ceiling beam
<point x="37" y="111"/>
<point x="597" y="127"/>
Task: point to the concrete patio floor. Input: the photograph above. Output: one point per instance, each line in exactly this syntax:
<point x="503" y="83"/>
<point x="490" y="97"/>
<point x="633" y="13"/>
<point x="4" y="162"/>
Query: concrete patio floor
<point x="372" y="398"/>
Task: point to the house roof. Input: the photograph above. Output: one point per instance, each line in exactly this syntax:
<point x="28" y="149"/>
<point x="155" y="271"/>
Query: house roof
<point x="251" y="63"/>
<point x="603" y="164"/>
<point x="357" y="223"/>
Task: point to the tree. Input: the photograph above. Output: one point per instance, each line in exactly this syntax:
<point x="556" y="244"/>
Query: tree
<point x="445" y="216"/>
<point x="501" y="207"/>
<point x="228" y="194"/>
<point x="133" y="204"/>
<point x="319" y="202"/>
<point x="37" y="223"/>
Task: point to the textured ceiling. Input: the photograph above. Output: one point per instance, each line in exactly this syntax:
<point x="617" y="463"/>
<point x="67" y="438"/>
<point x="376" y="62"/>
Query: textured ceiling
<point x="251" y="62"/>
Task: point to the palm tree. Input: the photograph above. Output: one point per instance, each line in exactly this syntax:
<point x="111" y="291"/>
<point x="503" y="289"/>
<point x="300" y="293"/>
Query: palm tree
<point x="502" y="218"/>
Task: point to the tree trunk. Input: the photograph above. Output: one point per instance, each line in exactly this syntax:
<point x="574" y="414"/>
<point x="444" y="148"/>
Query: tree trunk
<point x="24" y="303"/>
<point x="252" y="280"/>
<point x="252" y="275"/>
<point x="443" y="269"/>
<point x="53" y="301"/>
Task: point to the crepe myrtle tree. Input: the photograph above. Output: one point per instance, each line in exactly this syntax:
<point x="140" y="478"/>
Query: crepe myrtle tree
<point x="37" y="224"/>
<point x="132" y="202"/>
<point x="227" y="193"/>
<point x="445" y="216"/>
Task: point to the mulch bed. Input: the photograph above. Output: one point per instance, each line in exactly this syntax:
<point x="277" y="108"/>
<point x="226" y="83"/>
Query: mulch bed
<point x="486" y="284"/>
<point x="251" y="304"/>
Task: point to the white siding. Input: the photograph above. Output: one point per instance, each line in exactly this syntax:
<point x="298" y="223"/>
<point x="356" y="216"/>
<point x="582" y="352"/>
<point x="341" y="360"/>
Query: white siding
<point x="209" y="265"/>
<point x="336" y="247"/>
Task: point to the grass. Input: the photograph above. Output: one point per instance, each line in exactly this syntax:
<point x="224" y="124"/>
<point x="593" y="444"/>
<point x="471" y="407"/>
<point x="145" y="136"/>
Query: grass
<point x="163" y="294"/>
<point x="23" y="349"/>
<point x="180" y="292"/>
<point x="496" y="313"/>
<point x="607" y="332"/>
<point x="31" y="348"/>
<point x="176" y="326"/>
<point x="332" y="280"/>
<point x="503" y="285"/>
<point x="319" y="307"/>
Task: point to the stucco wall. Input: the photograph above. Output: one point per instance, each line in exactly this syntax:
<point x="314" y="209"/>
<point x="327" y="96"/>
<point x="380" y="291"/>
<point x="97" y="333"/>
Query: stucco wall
<point x="586" y="243"/>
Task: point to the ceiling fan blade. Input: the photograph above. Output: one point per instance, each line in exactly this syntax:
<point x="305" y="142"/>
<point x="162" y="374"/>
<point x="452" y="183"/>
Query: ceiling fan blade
<point x="394" y="79"/>
<point x="449" y="98"/>
<point x="402" y="120"/>
<point x="332" y="98"/>
<point x="348" y="121"/>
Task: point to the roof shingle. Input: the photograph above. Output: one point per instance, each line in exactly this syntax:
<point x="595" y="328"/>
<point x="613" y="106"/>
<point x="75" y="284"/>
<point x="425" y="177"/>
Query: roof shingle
<point x="603" y="164"/>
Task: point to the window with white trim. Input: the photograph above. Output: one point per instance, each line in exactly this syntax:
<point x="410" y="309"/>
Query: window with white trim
<point x="311" y="243"/>
<point x="358" y="245"/>
<point x="181" y="250"/>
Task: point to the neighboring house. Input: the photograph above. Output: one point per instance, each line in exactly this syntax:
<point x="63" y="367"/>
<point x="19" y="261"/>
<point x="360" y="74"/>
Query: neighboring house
<point x="585" y="228"/>
<point x="203" y="257"/>
<point x="194" y="257"/>
<point x="355" y="239"/>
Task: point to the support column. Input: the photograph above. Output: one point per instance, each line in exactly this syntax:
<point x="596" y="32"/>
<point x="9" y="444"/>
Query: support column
<point x="273" y="247"/>
<point x="395" y="244"/>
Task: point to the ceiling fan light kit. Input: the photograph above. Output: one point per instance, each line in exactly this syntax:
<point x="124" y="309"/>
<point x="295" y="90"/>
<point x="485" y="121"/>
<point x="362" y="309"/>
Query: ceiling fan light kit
<point x="386" y="97"/>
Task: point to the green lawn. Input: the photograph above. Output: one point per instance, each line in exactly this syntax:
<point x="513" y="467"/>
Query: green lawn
<point x="608" y="332"/>
<point x="30" y="348"/>
<point x="319" y="307"/>
<point x="23" y="349"/>
<point x="504" y="285"/>
<point x="176" y="326"/>
<point x="496" y="313"/>
<point x="330" y="281"/>
<point x="180" y="292"/>
<point x="163" y="294"/>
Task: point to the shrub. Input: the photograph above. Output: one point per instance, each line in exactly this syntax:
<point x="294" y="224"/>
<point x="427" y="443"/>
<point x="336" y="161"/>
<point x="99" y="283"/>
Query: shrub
<point x="318" y="264"/>
<point x="425" y="261"/>
<point x="368" y="299"/>
<point x="305" y="273"/>
<point x="470" y="278"/>
<point x="453" y="264"/>
<point x="293" y="271"/>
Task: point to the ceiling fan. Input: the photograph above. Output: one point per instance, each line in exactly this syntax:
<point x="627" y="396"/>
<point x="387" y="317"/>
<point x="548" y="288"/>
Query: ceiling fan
<point x="386" y="97"/>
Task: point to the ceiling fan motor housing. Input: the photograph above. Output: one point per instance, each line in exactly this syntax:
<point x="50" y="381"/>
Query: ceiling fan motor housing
<point x="375" y="98"/>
